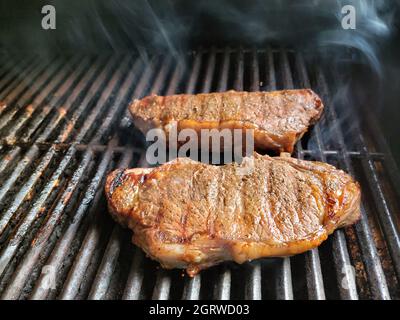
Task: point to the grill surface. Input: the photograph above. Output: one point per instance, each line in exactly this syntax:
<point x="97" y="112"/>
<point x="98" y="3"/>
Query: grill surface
<point x="64" y="125"/>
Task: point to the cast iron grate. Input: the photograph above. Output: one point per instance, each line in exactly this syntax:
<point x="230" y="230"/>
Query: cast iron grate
<point x="64" y="125"/>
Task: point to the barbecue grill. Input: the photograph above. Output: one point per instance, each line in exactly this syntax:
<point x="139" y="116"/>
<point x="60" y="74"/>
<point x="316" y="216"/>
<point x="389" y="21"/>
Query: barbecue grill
<point x="64" y="126"/>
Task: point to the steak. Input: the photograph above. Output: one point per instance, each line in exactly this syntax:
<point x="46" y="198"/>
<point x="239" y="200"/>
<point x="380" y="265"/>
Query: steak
<point x="279" y="118"/>
<point x="186" y="214"/>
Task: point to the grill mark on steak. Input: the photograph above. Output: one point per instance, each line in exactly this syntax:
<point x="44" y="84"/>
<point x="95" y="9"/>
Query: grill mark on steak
<point x="211" y="222"/>
<point x="279" y="118"/>
<point x="119" y="178"/>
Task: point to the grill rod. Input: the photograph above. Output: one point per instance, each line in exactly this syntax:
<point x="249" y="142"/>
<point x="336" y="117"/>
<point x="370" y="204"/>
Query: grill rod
<point x="162" y="286"/>
<point x="347" y="288"/>
<point x="370" y="255"/>
<point x="135" y="278"/>
<point x="92" y="239"/>
<point x="28" y="89"/>
<point x="65" y="80"/>
<point x="315" y="284"/>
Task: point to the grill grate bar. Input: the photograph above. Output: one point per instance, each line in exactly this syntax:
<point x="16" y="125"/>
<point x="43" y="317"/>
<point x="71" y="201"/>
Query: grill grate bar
<point x="162" y="286"/>
<point x="315" y="283"/>
<point x="195" y="71"/>
<point x="9" y="65"/>
<point x="118" y="105"/>
<point x="47" y="107"/>
<point x="348" y="286"/>
<point x="358" y="154"/>
<point x="389" y="163"/>
<point x="36" y="210"/>
<point x="134" y="282"/>
<point x="284" y="283"/>
<point x="27" y="187"/>
<point x="92" y="239"/>
<point x="385" y="215"/>
<point x="176" y="77"/>
<point x="56" y="80"/>
<point x="192" y="286"/>
<point x="29" y="91"/>
<point x="86" y="104"/>
<point x="14" y="74"/>
<point x="222" y="290"/>
<point x="163" y="280"/>
<point x="14" y="81"/>
<point x="110" y="258"/>
<point x="92" y="196"/>
<point x="89" y="248"/>
<point x="108" y="264"/>
<point x="135" y="278"/>
<point x="85" y="86"/>
<point x="209" y="72"/>
<point x="30" y="87"/>
<point x="371" y="259"/>
<point x="9" y="158"/>
<point x="25" y="267"/>
<point x="101" y="103"/>
<point x="253" y="283"/>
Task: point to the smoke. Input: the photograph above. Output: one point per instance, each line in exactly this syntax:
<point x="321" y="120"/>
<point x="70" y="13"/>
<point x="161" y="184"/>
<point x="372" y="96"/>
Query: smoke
<point x="176" y="26"/>
<point x="373" y="27"/>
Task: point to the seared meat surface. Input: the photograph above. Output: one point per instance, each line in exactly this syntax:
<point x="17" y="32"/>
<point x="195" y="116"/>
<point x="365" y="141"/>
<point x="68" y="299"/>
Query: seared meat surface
<point x="186" y="214"/>
<point x="279" y="118"/>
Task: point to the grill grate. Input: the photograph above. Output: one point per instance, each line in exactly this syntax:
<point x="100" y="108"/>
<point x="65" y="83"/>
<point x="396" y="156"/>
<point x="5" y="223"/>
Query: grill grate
<point x="64" y="125"/>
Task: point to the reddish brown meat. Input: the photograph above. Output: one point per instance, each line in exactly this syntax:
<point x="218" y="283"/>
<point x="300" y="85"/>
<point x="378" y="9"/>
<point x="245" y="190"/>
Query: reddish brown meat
<point x="279" y="118"/>
<point x="187" y="214"/>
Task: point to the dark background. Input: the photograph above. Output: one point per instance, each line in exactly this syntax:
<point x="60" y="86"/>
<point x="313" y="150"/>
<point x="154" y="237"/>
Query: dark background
<point x="368" y="57"/>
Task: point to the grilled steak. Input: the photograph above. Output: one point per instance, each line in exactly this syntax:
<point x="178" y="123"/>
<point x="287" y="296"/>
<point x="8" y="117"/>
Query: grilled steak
<point x="187" y="214"/>
<point x="279" y="118"/>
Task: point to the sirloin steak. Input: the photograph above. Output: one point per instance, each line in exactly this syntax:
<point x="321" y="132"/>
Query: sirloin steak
<point x="279" y="118"/>
<point x="186" y="214"/>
